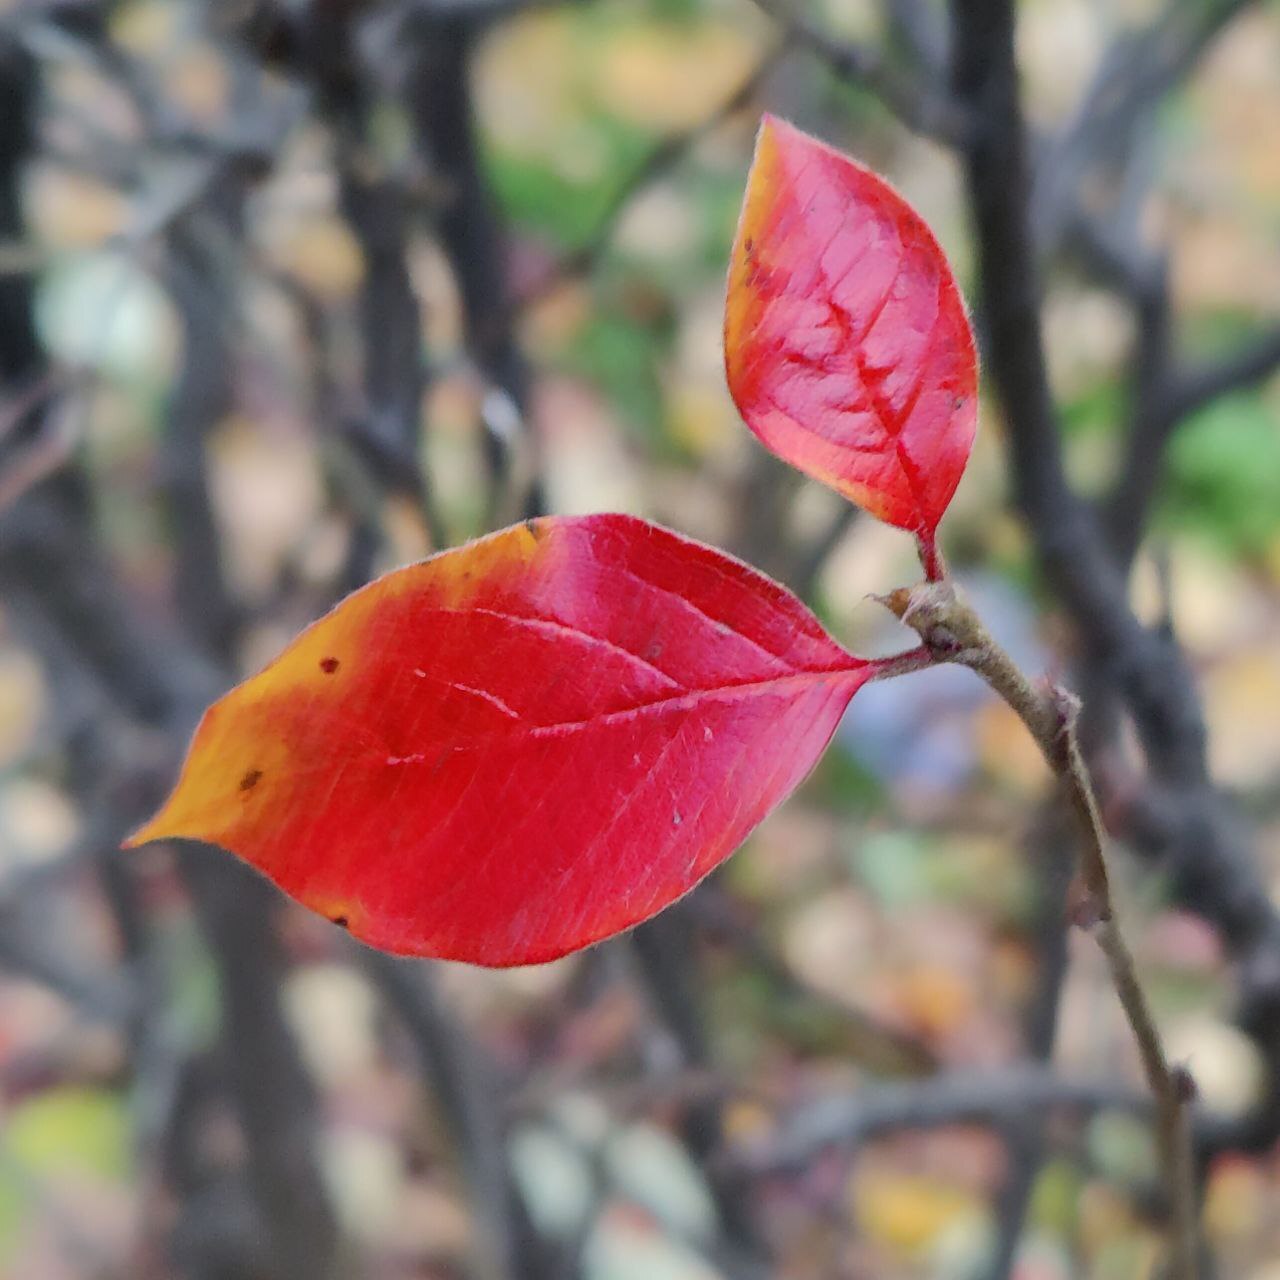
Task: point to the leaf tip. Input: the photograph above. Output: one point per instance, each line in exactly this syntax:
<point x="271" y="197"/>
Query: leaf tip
<point x="145" y="834"/>
<point x="770" y="124"/>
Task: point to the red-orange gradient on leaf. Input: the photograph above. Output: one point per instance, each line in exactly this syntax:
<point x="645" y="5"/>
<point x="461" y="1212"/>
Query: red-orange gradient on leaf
<point x="847" y="346"/>
<point x="519" y="746"/>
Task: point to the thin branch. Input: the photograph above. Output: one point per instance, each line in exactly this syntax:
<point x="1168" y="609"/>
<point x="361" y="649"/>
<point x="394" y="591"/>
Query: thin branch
<point x="1204" y="852"/>
<point x="275" y="1098"/>
<point x="380" y="208"/>
<point x="812" y="558"/>
<point x="665" y="948"/>
<point x="19" y="407"/>
<point x="202" y="396"/>
<point x="1071" y="551"/>
<point x="1133" y="79"/>
<point x="468" y="1094"/>
<point x="1170" y="402"/>
<point x="916" y="26"/>
<point x="1048" y="848"/>
<point x="873" y="1043"/>
<point x="49" y="559"/>
<point x="998" y="1098"/>
<point x="478" y="13"/>
<point x="916" y="103"/>
<point x="39" y="457"/>
<point x="1113" y="137"/>
<point x="1144" y="667"/>
<point x="30" y="949"/>
<point x="953" y="632"/>
<point x="52" y="557"/>
<point x="473" y="235"/>
<point x="656" y="165"/>
<point x="1192" y="389"/>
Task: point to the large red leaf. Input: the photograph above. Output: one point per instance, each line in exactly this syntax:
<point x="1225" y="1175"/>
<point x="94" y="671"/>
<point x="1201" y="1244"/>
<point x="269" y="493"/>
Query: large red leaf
<point x="519" y="746"/>
<point x="847" y="346"/>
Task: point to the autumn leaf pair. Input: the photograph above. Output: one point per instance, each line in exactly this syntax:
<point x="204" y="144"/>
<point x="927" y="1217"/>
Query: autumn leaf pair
<point x="532" y="742"/>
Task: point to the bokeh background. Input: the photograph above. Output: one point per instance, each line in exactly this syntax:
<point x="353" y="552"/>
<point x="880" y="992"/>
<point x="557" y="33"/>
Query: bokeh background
<point x="294" y="291"/>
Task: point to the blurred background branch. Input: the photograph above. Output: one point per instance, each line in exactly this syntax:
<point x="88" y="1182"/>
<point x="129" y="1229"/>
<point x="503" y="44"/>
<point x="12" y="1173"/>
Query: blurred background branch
<point x="295" y="290"/>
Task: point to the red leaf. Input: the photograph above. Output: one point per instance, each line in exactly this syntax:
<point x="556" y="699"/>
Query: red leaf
<point x="519" y="746"/>
<point x="847" y="346"/>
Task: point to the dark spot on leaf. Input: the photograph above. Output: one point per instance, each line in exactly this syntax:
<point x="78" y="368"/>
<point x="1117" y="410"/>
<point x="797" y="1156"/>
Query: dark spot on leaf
<point x="250" y="780"/>
<point x="340" y="921"/>
<point x="329" y="665"/>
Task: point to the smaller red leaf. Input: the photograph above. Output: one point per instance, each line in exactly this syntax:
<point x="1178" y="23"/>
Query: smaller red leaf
<point x="847" y="347"/>
<point x="519" y="746"/>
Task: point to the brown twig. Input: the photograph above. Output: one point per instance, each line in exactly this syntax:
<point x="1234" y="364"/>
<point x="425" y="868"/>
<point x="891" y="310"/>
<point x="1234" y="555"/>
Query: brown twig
<point x="1001" y="1097"/>
<point x="470" y="1094"/>
<point x="666" y="953"/>
<point x="914" y="100"/>
<point x="1166" y="405"/>
<point x="472" y="232"/>
<point x="953" y="632"/>
<point x="1179" y="820"/>
<point x="384" y="433"/>
<point x="1049" y="846"/>
<point x="583" y="258"/>
<point x="1133" y="78"/>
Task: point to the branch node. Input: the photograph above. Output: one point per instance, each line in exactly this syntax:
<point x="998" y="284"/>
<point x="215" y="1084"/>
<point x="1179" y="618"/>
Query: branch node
<point x="1067" y="706"/>
<point x="1085" y="912"/>
<point x="1185" y="1088"/>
